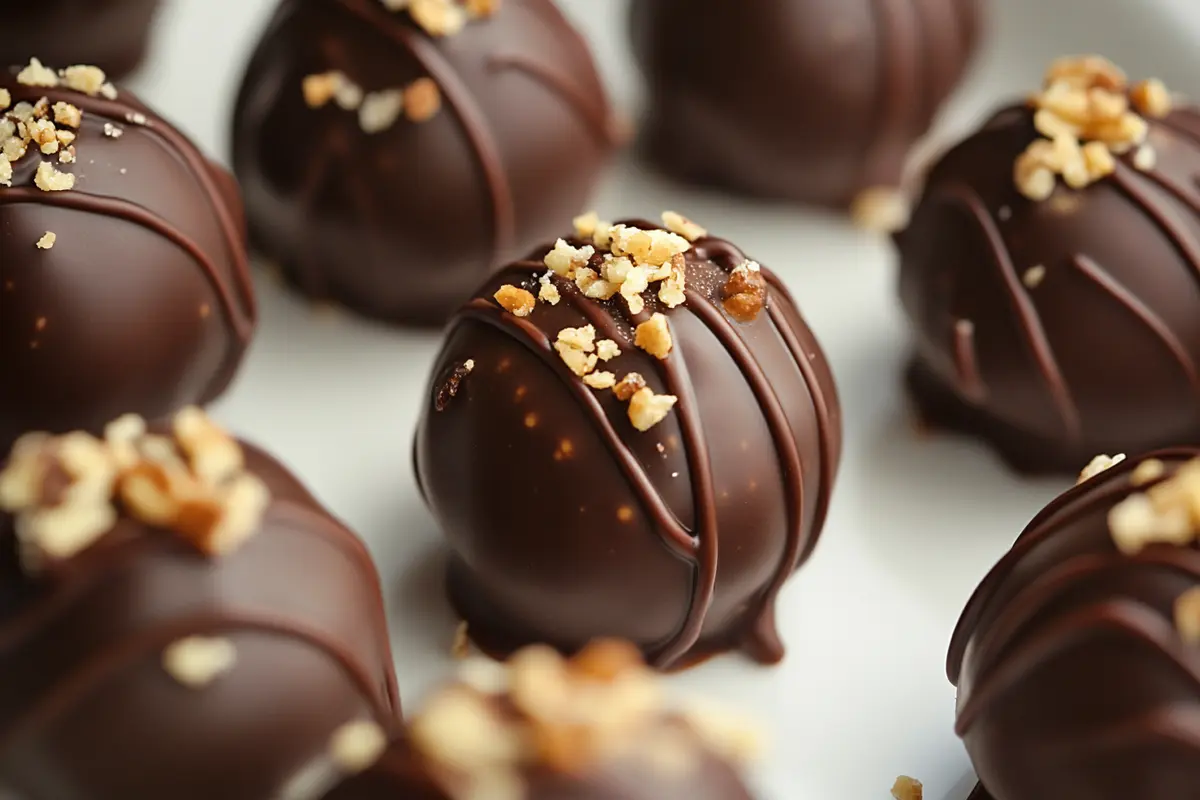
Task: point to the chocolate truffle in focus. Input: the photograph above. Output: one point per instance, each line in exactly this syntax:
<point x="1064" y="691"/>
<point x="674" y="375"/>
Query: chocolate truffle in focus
<point x="539" y="728"/>
<point x="153" y="642"/>
<point x="392" y="159"/>
<point x="1050" y="274"/>
<point x="811" y="100"/>
<point x="1077" y="660"/>
<point x="123" y="277"/>
<point x="650" y="433"/>
<point x="111" y="34"/>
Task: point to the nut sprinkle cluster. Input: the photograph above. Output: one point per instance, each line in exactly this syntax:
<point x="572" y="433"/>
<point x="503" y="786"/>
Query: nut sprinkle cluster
<point x="418" y="102"/>
<point x="444" y="17"/>
<point x="1087" y="113"/>
<point x="66" y="492"/>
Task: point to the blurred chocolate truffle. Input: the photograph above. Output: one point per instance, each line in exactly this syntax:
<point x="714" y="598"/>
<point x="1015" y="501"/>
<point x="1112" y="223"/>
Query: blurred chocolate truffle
<point x="539" y="728"/>
<point x="153" y="638"/>
<point x="650" y="434"/>
<point x="392" y="159"/>
<point x="123" y="277"/>
<point x="1077" y="660"/>
<point x="112" y="34"/>
<point x="1050" y="274"/>
<point x="812" y="100"/>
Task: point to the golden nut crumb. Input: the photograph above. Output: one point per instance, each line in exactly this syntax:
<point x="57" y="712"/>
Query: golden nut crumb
<point x="647" y="409"/>
<point x="548" y="292"/>
<point x="677" y="223"/>
<point x="478" y="9"/>
<point x="380" y="110"/>
<point x="320" y="88"/>
<point x="1145" y="158"/>
<point x="6" y="172"/>
<point x="49" y="179"/>
<point x="515" y="300"/>
<point x="600" y="380"/>
<point x="1187" y="616"/>
<point x="576" y="347"/>
<point x="882" y="209"/>
<point x="67" y="114"/>
<point x="1034" y="276"/>
<point x="607" y="349"/>
<point x="606" y="660"/>
<point x="197" y="661"/>
<point x="586" y="224"/>
<point x="86" y="79"/>
<point x="745" y="292"/>
<point x="1099" y="464"/>
<point x="592" y="286"/>
<point x="906" y="788"/>
<point x="628" y="386"/>
<point x="36" y="74"/>
<point x="422" y="100"/>
<point x="356" y="746"/>
<point x="564" y="259"/>
<point x="47" y="240"/>
<point x="1152" y="98"/>
<point x="1148" y="471"/>
<point x="438" y="17"/>
<point x="654" y="336"/>
<point x="5" y="99"/>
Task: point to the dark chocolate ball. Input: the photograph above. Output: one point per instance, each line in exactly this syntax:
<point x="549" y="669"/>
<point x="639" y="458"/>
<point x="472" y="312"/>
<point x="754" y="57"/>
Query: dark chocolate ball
<point x="112" y="34"/>
<point x="577" y="510"/>
<point x="809" y="100"/>
<point x="1077" y="660"/>
<point x="503" y="130"/>
<point x="593" y="745"/>
<point x="123" y="276"/>
<point x="214" y="652"/>
<point x="1065" y="326"/>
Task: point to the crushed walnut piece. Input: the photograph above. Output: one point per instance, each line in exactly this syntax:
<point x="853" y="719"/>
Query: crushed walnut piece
<point x="1033" y="277"/>
<point x="547" y="291"/>
<point x="515" y="300"/>
<point x="1098" y="465"/>
<point x="1088" y="114"/>
<point x="647" y="409"/>
<point x="356" y="746"/>
<point x="37" y="74"/>
<point x="380" y="110"/>
<point x="654" y="336"/>
<point x="677" y="223"/>
<point x="628" y="386"/>
<point x="86" y="79"/>
<point x="438" y="17"/>
<point x="607" y="349"/>
<point x="1166" y="513"/>
<point x="883" y="209"/>
<point x="577" y="348"/>
<point x="600" y="380"/>
<point x="49" y="179"/>
<point x="565" y="260"/>
<point x="906" y="788"/>
<point x="47" y="240"/>
<point x="1187" y="616"/>
<point x="1147" y="471"/>
<point x="744" y="295"/>
<point x="422" y="100"/>
<point x="197" y="661"/>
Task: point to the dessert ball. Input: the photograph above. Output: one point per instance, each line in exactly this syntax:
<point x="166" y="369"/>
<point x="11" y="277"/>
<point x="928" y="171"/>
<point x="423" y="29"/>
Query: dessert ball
<point x="1077" y="660"/>
<point x="392" y="158"/>
<point x="179" y="618"/>
<point x="112" y="34"/>
<point x="539" y="728"/>
<point x="1050" y="274"/>
<point x="123" y="277"/>
<point x="810" y="100"/>
<point x="634" y="434"/>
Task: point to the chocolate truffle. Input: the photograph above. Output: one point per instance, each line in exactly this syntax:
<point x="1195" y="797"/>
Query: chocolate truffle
<point x="112" y="34"/>
<point x="645" y="449"/>
<point x="1049" y="274"/>
<point x="809" y="100"/>
<point x="1077" y="660"/>
<point x="123" y="277"/>
<point x="391" y="159"/>
<point x="539" y="728"/>
<point x="178" y="618"/>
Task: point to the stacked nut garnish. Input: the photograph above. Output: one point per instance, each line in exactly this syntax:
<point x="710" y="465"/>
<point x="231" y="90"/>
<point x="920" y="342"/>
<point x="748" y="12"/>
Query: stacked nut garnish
<point x="539" y="712"/>
<point x="444" y="17"/>
<point x="66" y="492"/>
<point x="1088" y="113"/>
<point x="377" y="111"/>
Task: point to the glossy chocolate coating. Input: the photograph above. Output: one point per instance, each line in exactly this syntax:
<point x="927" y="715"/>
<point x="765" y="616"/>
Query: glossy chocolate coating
<point x="401" y="225"/>
<point x="110" y="34"/>
<point x="144" y="303"/>
<point x="567" y="524"/>
<point x="809" y="100"/>
<point x="87" y="710"/>
<point x="1073" y="681"/>
<point x="1100" y="356"/>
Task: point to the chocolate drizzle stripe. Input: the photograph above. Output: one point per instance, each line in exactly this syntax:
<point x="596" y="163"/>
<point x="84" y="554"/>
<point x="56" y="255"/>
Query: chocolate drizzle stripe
<point x="112" y="660"/>
<point x="1130" y="620"/>
<point x="966" y="362"/>
<point x="1152" y="321"/>
<point x="161" y="131"/>
<point x="679" y="540"/>
<point x="897" y="42"/>
<point x="473" y="120"/>
<point x="1126" y="179"/>
<point x="595" y="120"/>
<point x="1031" y="325"/>
<point x="142" y="217"/>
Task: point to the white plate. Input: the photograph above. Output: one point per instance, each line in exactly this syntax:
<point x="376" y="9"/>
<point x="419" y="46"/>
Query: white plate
<point x="862" y="696"/>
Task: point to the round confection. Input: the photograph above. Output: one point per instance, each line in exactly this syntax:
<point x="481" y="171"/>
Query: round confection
<point x="391" y="159"/>
<point x="809" y="100"/>
<point x="153" y="638"/>
<point x="123" y="276"/>
<point x="606" y="735"/>
<point x="1077" y="660"/>
<point x="651" y="441"/>
<point x="112" y="34"/>
<point x="1050" y="275"/>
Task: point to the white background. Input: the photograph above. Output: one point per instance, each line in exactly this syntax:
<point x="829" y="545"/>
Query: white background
<point x="916" y="522"/>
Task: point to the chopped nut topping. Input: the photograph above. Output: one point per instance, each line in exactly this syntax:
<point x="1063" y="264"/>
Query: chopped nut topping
<point x="1151" y="98"/>
<point x="515" y="300"/>
<point x="6" y="172"/>
<point x="380" y="110"/>
<point x="607" y="349"/>
<point x="671" y="290"/>
<point x="1098" y="465"/>
<point x="1166" y="513"/>
<point x="677" y="223"/>
<point x="547" y="291"/>
<point x="438" y="17"/>
<point x="586" y="224"/>
<point x="1034" y="276"/>
<point x="5" y="99"/>
<point x="422" y="100"/>
<point x="589" y="282"/>
<point x="1187" y="616"/>
<point x="197" y="661"/>
<point x="654" y="336"/>
<point x="628" y="386"/>
<point x="906" y="788"/>
<point x="356" y="746"/>
<point x="36" y="74"/>
<point x="67" y="114"/>
<point x="49" y="179"/>
<point x="1148" y="471"/>
<point x="86" y="79"/>
<point x="576" y="347"/>
<point x="745" y="293"/>
<point x="647" y="248"/>
<point x="600" y="380"/>
<point x="884" y="209"/>
<point x="47" y="240"/>
<point x="112" y="131"/>
<point x="564" y="259"/>
<point x="478" y="9"/>
<point x="320" y="88"/>
<point x="1145" y="158"/>
<point x="647" y="409"/>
